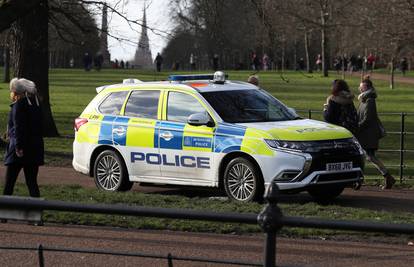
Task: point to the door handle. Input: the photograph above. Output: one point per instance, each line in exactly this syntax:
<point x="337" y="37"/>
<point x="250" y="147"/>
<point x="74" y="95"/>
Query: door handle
<point x="167" y="136"/>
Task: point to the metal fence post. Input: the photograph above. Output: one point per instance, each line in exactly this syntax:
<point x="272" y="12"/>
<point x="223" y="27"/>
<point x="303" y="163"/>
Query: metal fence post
<point x="269" y="221"/>
<point x="310" y="114"/>
<point x="170" y="260"/>
<point x="402" y="137"/>
<point x="40" y="254"/>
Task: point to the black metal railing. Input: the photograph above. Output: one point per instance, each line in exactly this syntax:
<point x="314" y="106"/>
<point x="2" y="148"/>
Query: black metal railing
<point x="270" y="220"/>
<point x="403" y="133"/>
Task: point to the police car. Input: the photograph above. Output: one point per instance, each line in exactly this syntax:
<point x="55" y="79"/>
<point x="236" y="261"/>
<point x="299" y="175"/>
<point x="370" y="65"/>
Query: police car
<point x="205" y="130"/>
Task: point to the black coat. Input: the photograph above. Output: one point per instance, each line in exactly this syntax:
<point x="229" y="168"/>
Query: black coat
<point x="25" y="132"/>
<point x="369" y="124"/>
<point x="341" y="111"/>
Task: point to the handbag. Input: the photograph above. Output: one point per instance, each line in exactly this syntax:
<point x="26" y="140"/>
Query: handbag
<point x="382" y="131"/>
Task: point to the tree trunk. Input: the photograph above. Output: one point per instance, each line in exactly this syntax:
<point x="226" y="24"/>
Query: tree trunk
<point x="31" y="58"/>
<point x="307" y="56"/>
<point x="6" y="77"/>
<point x="392" y="73"/>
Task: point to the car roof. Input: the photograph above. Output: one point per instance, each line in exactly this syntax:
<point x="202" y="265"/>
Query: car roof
<point x="200" y="86"/>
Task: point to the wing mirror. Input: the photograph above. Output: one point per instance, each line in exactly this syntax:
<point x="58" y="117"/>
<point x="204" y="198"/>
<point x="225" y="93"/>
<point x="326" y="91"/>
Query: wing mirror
<point x="198" y="119"/>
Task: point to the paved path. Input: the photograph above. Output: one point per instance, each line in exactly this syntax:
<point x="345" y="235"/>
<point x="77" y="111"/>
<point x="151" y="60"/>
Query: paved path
<point x="290" y="252"/>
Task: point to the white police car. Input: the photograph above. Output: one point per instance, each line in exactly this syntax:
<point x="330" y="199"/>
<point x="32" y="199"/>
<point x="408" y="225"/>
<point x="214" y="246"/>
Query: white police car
<point x="204" y="130"/>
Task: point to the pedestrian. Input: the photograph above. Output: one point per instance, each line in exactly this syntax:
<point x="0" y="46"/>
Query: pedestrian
<point x="158" y="61"/>
<point x="319" y="62"/>
<point x="215" y="62"/>
<point x="339" y="108"/>
<point x="404" y="65"/>
<point x="98" y="61"/>
<point x="300" y="64"/>
<point x="371" y="129"/>
<point x="87" y="61"/>
<point x="253" y="79"/>
<point x="192" y="62"/>
<point x="370" y="62"/>
<point x="265" y="62"/>
<point x="25" y="149"/>
<point x="255" y="62"/>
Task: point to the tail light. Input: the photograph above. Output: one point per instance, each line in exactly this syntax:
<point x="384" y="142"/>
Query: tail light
<point x="79" y="122"/>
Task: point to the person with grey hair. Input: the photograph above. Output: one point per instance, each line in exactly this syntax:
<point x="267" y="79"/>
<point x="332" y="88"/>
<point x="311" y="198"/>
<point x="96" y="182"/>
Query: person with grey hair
<point x="253" y="79"/>
<point x="25" y="148"/>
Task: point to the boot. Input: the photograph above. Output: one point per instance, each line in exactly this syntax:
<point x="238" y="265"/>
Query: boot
<point x="389" y="181"/>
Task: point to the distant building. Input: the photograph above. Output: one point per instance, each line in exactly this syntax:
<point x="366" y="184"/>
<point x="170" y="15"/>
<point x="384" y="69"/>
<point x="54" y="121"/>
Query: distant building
<point x="143" y="56"/>
<point x="103" y="46"/>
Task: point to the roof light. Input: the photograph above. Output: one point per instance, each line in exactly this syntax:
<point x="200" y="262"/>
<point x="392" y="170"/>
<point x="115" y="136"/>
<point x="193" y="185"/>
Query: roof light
<point x="194" y="77"/>
<point x="131" y="81"/>
<point x="219" y="77"/>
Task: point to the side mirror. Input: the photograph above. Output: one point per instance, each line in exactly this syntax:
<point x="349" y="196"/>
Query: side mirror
<point x="198" y="119"/>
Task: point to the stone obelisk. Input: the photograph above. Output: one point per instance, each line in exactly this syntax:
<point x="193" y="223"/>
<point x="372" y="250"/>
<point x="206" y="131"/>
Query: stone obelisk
<point x="103" y="47"/>
<point x="143" y="57"/>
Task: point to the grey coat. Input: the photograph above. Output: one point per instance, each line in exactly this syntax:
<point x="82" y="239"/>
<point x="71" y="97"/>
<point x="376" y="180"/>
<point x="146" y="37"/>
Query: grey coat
<point x="370" y="127"/>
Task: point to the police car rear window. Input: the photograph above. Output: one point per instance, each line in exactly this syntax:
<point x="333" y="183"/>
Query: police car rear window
<point x="143" y="104"/>
<point x="113" y="103"/>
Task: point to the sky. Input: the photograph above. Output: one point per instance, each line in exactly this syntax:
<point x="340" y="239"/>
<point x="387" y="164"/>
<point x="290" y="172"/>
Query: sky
<point x="158" y="17"/>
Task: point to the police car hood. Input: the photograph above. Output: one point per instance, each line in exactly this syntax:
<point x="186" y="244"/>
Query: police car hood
<point x="299" y="130"/>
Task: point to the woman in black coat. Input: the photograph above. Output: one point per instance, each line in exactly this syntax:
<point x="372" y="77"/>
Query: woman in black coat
<point x="371" y="129"/>
<point x="25" y="149"/>
<point x="339" y="108"/>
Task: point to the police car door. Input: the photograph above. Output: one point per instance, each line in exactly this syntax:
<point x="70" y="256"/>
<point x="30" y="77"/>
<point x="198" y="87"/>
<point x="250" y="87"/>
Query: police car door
<point x="141" y="146"/>
<point x="186" y="150"/>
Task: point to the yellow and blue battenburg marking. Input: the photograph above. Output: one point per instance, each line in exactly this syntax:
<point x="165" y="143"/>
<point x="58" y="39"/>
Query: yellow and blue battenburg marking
<point x="228" y="138"/>
<point x="115" y="130"/>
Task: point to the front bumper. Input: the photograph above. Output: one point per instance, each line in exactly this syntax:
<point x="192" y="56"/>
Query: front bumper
<point x="314" y="172"/>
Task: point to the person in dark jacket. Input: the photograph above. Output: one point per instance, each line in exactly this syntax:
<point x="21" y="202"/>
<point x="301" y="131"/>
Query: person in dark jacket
<point x="25" y="149"/>
<point x="371" y="129"/>
<point x="339" y="108"/>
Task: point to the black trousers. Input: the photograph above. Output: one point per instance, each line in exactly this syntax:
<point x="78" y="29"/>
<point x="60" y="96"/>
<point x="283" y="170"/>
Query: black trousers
<point x="30" y="174"/>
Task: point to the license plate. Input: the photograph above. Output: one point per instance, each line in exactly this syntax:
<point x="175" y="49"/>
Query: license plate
<point x="339" y="166"/>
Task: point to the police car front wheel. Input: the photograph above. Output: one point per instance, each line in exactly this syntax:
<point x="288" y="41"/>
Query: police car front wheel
<point x="242" y="180"/>
<point x="110" y="172"/>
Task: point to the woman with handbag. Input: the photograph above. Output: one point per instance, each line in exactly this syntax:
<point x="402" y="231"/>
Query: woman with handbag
<point x="371" y="129"/>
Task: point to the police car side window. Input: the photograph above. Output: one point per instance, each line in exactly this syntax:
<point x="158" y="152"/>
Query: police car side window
<point x="143" y="104"/>
<point x="181" y="105"/>
<point x="113" y="103"/>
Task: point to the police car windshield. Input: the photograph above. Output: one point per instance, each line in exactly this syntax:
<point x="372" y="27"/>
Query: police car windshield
<point x="242" y="106"/>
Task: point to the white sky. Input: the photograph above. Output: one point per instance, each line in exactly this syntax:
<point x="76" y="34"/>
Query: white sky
<point x="158" y="17"/>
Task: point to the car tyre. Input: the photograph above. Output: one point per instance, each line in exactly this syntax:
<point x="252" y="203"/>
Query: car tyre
<point x="327" y="193"/>
<point x="243" y="181"/>
<point x="110" y="172"/>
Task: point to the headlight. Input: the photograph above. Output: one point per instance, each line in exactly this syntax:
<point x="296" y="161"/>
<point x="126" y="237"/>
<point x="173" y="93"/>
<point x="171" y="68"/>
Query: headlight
<point x="292" y="145"/>
<point x="358" y="145"/>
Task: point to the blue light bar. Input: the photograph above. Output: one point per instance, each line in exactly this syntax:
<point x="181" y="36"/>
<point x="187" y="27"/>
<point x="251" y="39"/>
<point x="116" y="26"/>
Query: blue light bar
<point x="192" y="77"/>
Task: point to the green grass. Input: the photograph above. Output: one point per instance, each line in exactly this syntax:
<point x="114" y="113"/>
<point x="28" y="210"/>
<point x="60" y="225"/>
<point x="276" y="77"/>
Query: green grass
<point x="72" y="89"/>
<point x="309" y="209"/>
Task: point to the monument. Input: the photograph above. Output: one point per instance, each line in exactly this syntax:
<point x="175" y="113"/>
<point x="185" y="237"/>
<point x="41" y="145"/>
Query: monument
<point x="103" y="46"/>
<point x="143" y="57"/>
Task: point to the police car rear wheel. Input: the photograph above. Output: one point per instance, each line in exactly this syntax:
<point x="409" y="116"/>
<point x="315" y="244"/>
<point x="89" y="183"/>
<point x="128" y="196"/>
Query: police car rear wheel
<point x="110" y="172"/>
<point x="242" y="181"/>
